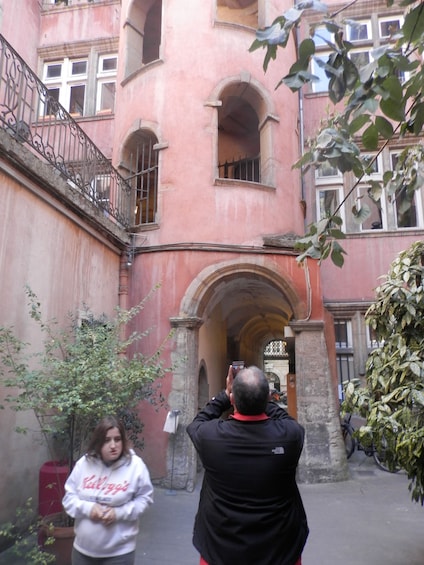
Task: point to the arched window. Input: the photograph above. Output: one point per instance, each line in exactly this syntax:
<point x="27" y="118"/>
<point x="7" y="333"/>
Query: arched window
<point x="152" y="33"/>
<point x="238" y="137"/>
<point x="141" y="170"/>
<point x="143" y="34"/>
<point x="245" y="131"/>
<point x="243" y="12"/>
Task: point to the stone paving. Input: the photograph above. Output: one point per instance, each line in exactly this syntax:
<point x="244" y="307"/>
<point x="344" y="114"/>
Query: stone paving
<point x="367" y="520"/>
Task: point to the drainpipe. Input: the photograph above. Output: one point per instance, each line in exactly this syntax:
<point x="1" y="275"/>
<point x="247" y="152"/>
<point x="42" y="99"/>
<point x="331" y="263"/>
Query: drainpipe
<point x="123" y="281"/>
<point x="301" y="137"/>
<point x="125" y="264"/>
<point x="302" y="185"/>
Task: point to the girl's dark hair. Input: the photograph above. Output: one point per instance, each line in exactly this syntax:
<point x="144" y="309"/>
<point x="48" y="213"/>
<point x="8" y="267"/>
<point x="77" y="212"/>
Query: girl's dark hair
<point x="98" y="436"/>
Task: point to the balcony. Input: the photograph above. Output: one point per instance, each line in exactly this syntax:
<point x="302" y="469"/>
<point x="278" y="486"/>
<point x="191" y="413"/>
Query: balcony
<point x="38" y="121"/>
<point x="247" y="169"/>
<point x="61" y="3"/>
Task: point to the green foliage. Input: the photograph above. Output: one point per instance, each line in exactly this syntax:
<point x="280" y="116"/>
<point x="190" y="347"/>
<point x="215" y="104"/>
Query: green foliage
<point x="381" y="99"/>
<point x="393" y="399"/>
<point x="322" y="242"/>
<point x="85" y="371"/>
<point x="23" y="533"/>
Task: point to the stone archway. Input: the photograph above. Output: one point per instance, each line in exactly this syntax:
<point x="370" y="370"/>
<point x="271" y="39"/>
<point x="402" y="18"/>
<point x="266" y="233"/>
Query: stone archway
<point x="228" y="312"/>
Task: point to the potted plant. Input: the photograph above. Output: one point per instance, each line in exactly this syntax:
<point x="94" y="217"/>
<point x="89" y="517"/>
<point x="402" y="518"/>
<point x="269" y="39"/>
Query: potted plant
<point x="21" y="538"/>
<point x="86" y="369"/>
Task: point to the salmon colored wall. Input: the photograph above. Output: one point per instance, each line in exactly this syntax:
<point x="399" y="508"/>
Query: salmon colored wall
<point x="368" y="258"/>
<point x="66" y="267"/>
<point x="20" y="26"/>
<point x="102" y="130"/>
<point x="63" y="24"/>
<point x="175" y="271"/>
<point x="176" y="98"/>
<point x="172" y="97"/>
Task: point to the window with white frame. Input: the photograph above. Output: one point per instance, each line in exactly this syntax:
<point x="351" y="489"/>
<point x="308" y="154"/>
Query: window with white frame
<point x="387" y="29"/>
<point x="372" y="340"/>
<point x="378" y="217"/>
<point x="374" y="163"/>
<point x="322" y="36"/>
<point x="327" y="173"/>
<point x="359" y="31"/>
<point x="360" y="58"/>
<point x="66" y="82"/>
<point x="406" y="210"/>
<point x="320" y="84"/>
<point x="407" y="207"/>
<point x="389" y="26"/>
<point x="328" y="201"/>
<point x="106" y="83"/>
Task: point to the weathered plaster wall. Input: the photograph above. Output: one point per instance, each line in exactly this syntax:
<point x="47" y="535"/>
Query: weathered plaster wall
<point x="196" y="299"/>
<point x="178" y="98"/>
<point x="20" y="25"/>
<point x="45" y="246"/>
<point x="360" y="274"/>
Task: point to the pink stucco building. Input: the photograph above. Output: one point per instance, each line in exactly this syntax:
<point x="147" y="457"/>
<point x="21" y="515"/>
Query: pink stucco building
<point x="170" y="95"/>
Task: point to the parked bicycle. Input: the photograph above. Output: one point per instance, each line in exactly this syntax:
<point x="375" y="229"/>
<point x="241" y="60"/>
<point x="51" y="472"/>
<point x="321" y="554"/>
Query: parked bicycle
<point x="352" y="444"/>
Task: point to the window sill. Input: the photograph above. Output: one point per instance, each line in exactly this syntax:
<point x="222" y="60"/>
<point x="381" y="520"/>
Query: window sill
<point x="237" y="183"/>
<point x="321" y="94"/>
<point x="145" y="227"/>
<point x="386" y="232"/>
<point x="142" y="70"/>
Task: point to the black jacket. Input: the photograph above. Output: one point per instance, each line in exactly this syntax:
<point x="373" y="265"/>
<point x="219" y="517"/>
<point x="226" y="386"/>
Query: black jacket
<point x="250" y="510"/>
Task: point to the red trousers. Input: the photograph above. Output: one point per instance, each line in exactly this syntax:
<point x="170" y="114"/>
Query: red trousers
<point x="203" y="562"/>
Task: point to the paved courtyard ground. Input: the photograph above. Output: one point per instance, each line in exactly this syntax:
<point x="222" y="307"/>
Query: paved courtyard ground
<point x="367" y="520"/>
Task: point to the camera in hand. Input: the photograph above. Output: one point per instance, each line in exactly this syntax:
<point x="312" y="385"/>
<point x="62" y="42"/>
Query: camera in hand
<point x="237" y="366"/>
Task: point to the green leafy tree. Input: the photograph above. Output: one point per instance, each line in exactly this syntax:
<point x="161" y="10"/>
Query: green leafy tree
<point x="377" y="106"/>
<point x="393" y="399"/>
<point x="84" y="371"/>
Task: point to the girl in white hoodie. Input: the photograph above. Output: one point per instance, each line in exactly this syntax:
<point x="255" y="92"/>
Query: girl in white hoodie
<point x="106" y="492"/>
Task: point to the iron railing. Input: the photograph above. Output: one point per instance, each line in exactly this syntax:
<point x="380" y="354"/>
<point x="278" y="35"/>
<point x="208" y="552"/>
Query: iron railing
<point x="36" y="119"/>
<point x="247" y="168"/>
<point x="65" y="2"/>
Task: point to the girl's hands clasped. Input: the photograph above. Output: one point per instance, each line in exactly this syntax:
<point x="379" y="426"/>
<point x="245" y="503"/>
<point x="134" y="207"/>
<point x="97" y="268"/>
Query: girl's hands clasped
<point x="101" y="513"/>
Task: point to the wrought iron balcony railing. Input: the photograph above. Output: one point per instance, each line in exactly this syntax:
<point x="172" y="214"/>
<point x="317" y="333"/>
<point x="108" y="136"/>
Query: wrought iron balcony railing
<point x="65" y="2"/>
<point x="247" y="168"/>
<point x="37" y="120"/>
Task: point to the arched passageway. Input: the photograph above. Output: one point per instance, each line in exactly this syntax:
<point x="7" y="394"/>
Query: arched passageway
<point x="232" y="311"/>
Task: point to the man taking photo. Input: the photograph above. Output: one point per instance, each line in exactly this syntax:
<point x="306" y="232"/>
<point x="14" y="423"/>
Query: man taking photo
<point x="250" y="510"/>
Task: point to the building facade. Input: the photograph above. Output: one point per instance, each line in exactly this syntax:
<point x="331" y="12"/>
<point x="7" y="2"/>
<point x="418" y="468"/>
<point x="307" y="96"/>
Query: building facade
<point x="390" y="228"/>
<point x="208" y="208"/>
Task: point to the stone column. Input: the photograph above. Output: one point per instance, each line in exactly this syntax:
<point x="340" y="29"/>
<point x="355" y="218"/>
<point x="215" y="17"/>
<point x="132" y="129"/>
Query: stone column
<point x="323" y="458"/>
<point x="182" y="458"/>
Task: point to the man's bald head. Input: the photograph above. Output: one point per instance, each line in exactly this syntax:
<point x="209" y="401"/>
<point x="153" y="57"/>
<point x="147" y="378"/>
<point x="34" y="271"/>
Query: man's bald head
<point x="250" y="391"/>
